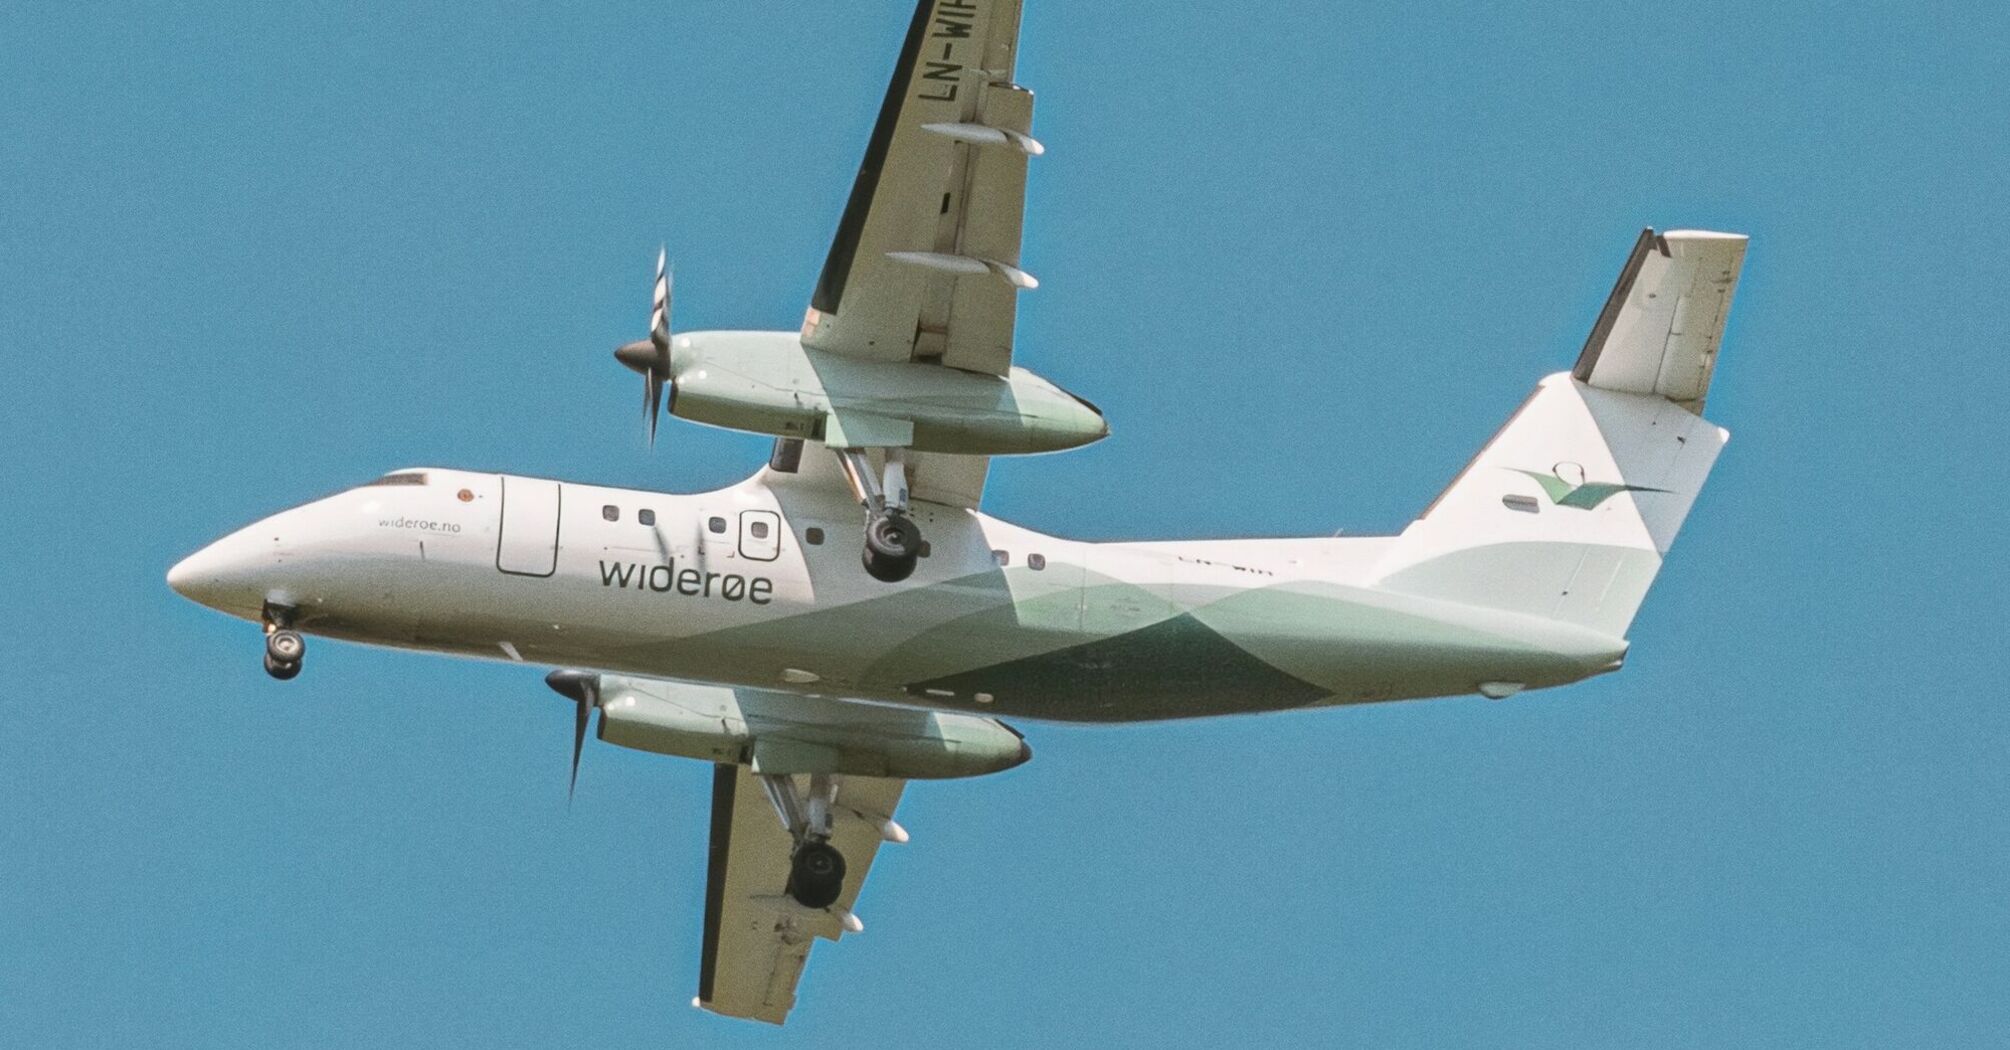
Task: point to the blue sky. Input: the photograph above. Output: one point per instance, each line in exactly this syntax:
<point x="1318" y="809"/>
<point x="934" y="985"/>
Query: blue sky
<point x="1306" y="259"/>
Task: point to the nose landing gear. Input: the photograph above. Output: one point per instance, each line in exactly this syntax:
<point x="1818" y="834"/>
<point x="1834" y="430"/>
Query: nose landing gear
<point x="285" y="648"/>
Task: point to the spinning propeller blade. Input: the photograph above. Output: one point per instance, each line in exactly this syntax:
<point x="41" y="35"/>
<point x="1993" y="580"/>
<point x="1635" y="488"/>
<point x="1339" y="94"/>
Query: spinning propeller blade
<point x="659" y="338"/>
<point x="579" y="720"/>
<point x="659" y="312"/>
<point x="583" y="689"/>
<point x="651" y="358"/>
<point x="652" y="402"/>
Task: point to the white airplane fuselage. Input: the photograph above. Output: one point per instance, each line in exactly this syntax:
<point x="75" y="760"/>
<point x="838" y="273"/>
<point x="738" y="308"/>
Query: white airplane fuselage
<point x="760" y="585"/>
<point x="845" y="622"/>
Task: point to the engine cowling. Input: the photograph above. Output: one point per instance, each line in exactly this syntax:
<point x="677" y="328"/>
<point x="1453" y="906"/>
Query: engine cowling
<point x="789" y="733"/>
<point x="769" y="383"/>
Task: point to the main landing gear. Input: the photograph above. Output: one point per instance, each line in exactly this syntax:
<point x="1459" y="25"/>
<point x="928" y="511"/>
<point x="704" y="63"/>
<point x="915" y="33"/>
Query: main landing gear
<point x="892" y="539"/>
<point x="285" y="648"/>
<point x="816" y="868"/>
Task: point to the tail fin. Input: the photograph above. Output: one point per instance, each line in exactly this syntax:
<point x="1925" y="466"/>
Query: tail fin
<point x="1568" y="511"/>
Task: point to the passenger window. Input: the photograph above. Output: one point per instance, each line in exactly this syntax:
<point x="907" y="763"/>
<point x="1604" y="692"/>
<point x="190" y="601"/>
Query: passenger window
<point x="646" y="517"/>
<point x="717" y="525"/>
<point x="759" y="529"/>
<point x="813" y="536"/>
<point x="1036" y="562"/>
<point x="611" y="512"/>
<point x="1003" y="558"/>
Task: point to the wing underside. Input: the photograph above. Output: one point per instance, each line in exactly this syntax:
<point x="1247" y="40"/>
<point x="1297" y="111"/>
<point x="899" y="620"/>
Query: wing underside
<point x="933" y="477"/>
<point x="756" y="939"/>
<point x="925" y="262"/>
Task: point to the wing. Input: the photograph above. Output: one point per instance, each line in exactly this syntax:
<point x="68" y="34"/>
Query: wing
<point x="925" y="264"/>
<point x="933" y="477"/>
<point x="756" y="939"/>
<point x="1660" y="330"/>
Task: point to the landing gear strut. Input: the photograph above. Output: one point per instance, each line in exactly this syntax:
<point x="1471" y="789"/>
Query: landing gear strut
<point x="284" y="646"/>
<point x="892" y="539"/>
<point x="816" y="868"/>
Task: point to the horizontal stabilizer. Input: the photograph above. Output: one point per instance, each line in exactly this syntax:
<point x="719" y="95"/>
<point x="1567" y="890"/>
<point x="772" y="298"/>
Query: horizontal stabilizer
<point x="1661" y="328"/>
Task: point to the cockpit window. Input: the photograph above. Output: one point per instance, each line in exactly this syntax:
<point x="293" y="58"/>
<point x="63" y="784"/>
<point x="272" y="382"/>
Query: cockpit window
<point x="405" y="478"/>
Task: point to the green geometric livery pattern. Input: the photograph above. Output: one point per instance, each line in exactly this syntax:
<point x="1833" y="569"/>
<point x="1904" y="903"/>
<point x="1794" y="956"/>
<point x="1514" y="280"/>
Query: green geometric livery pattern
<point x="1584" y="496"/>
<point x="1176" y="668"/>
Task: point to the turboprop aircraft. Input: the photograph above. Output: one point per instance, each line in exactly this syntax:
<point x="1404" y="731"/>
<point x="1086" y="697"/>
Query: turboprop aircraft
<point x="742" y="627"/>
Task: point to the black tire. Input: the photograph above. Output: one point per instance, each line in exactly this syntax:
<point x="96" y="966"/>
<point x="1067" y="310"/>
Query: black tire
<point x="892" y="544"/>
<point x="894" y="536"/>
<point x="816" y="875"/>
<point x="285" y="647"/>
<point x="885" y="570"/>
<point x="282" y="671"/>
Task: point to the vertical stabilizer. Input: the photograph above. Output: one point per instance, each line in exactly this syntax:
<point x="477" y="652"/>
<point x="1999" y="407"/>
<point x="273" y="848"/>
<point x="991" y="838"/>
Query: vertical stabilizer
<point x="1569" y="510"/>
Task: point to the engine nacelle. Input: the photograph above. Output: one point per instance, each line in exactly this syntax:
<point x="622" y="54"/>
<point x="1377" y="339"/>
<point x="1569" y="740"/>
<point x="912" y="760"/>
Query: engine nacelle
<point x="787" y="733"/>
<point x="769" y="383"/>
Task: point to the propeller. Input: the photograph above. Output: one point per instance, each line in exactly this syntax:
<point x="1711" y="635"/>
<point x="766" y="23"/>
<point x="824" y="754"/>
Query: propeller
<point x="650" y="358"/>
<point x="583" y="689"/>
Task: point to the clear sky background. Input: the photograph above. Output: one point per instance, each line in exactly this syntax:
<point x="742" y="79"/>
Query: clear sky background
<point x="1307" y="256"/>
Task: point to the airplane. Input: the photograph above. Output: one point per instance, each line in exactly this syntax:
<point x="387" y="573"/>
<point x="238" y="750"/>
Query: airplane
<point x="742" y="627"/>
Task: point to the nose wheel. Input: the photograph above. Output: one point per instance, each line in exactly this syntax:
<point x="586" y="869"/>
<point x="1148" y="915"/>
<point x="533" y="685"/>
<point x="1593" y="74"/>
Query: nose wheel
<point x="285" y="647"/>
<point x="282" y="671"/>
<point x="892" y="539"/>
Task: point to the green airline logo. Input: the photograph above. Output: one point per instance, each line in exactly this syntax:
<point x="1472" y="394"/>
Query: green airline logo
<point x="1566" y="486"/>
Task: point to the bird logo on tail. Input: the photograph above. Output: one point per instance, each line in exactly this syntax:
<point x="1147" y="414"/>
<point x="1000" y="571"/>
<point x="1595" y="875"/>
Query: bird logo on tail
<point x="1566" y="486"/>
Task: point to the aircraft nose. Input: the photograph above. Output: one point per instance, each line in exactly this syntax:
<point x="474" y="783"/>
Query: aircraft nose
<point x="182" y="574"/>
<point x="225" y="575"/>
<point x="197" y="576"/>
